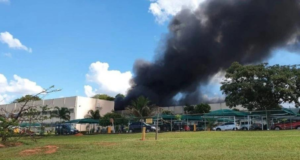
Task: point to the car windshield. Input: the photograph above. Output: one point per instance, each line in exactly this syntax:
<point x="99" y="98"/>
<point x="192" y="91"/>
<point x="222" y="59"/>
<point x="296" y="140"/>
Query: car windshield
<point x="72" y="128"/>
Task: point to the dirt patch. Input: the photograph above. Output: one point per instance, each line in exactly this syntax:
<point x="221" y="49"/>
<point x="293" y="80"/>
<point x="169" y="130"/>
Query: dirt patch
<point x="50" y="149"/>
<point x="79" y="134"/>
<point x="106" y="144"/>
<point x="2" y="146"/>
<point x="44" y="150"/>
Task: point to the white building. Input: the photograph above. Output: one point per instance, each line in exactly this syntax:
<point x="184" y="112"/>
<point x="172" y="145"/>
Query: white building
<point x="78" y="106"/>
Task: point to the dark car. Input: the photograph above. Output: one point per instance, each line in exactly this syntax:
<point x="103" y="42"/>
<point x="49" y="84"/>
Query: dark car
<point x="258" y="126"/>
<point x="65" y="129"/>
<point x="137" y="127"/>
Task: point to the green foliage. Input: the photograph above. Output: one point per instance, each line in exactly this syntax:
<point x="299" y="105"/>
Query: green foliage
<point x="5" y="132"/>
<point x="202" y="108"/>
<point x="210" y="124"/>
<point x="167" y="112"/>
<point x="104" y="97"/>
<point x="118" y="119"/>
<point x="61" y="113"/>
<point x="94" y="114"/>
<point x="120" y="96"/>
<point x="261" y="87"/>
<point x="178" y="117"/>
<point x="140" y="107"/>
<point x="27" y="98"/>
<point x="188" y="109"/>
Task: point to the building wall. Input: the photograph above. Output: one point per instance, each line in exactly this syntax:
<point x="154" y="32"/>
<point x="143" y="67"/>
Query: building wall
<point x="215" y="106"/>
<point x="78" y="106"/>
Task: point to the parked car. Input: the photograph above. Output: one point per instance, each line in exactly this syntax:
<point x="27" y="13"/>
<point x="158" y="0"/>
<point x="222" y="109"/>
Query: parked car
<point x="245" y="125"/>
<point x="137" y="127"/>
<point x="258" y="126"/>
<point x="65" y="129"/>
<point x="227" y="126"/>
<point x="289" y="124"/>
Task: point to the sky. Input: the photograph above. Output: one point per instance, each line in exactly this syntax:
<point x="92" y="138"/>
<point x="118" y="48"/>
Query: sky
<point x="85" y="47"/>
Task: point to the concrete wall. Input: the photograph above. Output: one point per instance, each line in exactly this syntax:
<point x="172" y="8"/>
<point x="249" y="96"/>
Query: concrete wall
<point x="216" y="106"/>
<point x="78" y="106"/>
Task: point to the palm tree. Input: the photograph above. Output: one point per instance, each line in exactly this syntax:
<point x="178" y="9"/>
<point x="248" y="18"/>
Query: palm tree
<point x="140" y="107"/>
<point x="61" y="113"/>
<point x="94" y="114"/>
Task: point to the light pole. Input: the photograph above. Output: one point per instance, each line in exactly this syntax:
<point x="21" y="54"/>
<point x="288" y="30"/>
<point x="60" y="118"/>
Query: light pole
<point x="156" y="133"/>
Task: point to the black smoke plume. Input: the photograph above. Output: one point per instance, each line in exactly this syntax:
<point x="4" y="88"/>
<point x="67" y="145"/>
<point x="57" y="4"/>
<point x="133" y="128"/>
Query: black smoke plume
<point x="200" y="43"/>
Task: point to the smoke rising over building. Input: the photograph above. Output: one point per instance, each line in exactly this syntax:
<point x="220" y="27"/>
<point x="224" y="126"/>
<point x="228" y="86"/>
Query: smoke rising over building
<point x="201" y="43"/>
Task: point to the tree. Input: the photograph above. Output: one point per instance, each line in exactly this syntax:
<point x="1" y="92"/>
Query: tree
<point x="261" y="87"/>
<point x="61" y="113"/>
<point x="235" y="109"/>
<point x="94" y="114"/>
<point x="118" y="119"/>
<point x="14" y="116"/>
<point x="119" y="96"/>
<point x="202" y="108"/>
<point x="104" y="97"/>
<point x="27" y="97"/>
<point x="35" y="115"/>
<point x="167" y="112"/>
<point x="140" y="107"/>
<point x="188" y="109"/>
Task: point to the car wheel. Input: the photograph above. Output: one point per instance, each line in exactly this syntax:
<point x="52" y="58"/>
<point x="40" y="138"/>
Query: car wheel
<point x="147" y="130"/>
<point x="130" y="131"/>
<point x="218" y="129"/>
<point x="245" y="128"/>
<point x="277" y="128"/>
<point x="298" y="127"/>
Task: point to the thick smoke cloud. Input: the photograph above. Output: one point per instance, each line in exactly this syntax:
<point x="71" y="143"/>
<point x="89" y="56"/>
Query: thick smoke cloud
<point x="203" y="42"/>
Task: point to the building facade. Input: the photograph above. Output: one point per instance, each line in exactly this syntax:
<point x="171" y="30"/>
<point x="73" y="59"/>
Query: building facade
<point x="78" y="106"/>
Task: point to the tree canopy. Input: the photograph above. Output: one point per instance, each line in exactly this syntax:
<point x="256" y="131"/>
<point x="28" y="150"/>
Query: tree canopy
<point x="94" y="114"/>
<point x="188" y="109"/>
<point x="200" y="108"/>
<point x="61" y="113"/>
<point x="140" y="107"/>
<point x="261" y="87"/>
<point x="27" y="98"/>
<point x="167" y="112"/>
<point x="120" y="95"/>
<point x="104" y="97"/>
<point x="118" y="119"/>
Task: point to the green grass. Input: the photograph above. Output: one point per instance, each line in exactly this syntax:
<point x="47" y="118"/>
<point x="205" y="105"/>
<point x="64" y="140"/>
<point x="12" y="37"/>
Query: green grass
<point x="175" y="146"/>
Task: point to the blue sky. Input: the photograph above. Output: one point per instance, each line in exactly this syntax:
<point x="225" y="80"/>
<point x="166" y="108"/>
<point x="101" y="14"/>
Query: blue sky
<point x="61" y="41"/>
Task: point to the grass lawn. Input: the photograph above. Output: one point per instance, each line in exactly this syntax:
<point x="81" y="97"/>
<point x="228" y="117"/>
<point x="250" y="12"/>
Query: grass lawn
<point x="179" y="145"/>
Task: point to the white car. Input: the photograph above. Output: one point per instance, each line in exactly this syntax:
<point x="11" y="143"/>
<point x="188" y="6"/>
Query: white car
<point x="227" y="126"/>
<point x="245" y="126"/>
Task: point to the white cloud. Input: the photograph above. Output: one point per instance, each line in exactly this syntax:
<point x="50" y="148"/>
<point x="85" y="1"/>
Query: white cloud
<point x="7" y="55"/>
<point x="88" y="90"/>
<point x="7" y="38"/>
<point x="17" y="87"/>
<point x="109" y="82"/>
<point x="164" y="9"/>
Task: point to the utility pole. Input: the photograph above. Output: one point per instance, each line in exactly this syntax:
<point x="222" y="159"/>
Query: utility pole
<point x="157" y="124"/>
